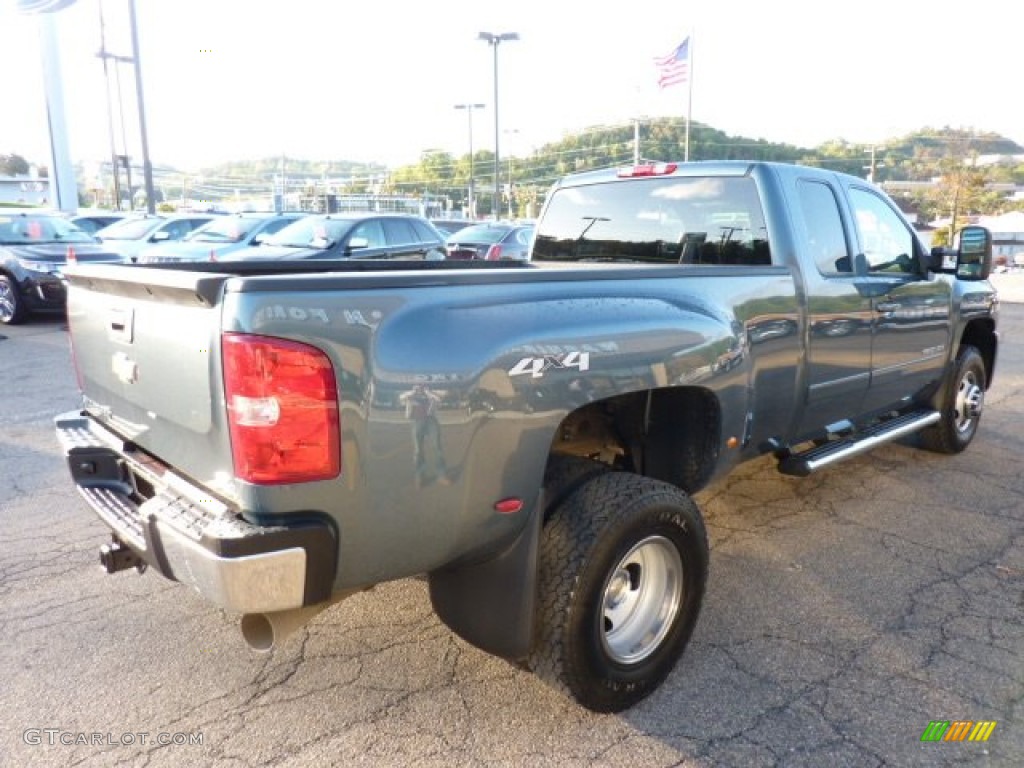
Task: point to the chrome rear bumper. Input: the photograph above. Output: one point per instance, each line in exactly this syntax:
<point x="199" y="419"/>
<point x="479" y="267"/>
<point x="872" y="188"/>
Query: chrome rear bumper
<point x="188" y="535"/>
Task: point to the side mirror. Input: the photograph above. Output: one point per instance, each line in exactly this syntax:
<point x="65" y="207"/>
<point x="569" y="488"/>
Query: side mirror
<point x="358" y="242"/>
<point x="940" y="259"/>
<point x="159" y="236"/>
<point x="974" y="253"/>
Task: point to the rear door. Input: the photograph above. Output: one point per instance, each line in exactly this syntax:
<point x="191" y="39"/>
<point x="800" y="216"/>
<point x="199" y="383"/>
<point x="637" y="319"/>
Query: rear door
<point x="839" y="309"/>
<point x="403" y="241"/>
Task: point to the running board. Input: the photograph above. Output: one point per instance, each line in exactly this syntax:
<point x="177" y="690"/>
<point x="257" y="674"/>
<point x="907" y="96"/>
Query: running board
<point x="820" y="456"/>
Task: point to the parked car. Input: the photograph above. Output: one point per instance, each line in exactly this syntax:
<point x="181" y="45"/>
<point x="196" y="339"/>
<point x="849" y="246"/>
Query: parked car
<point x="130" y="235"/>
<point x="33" y="250"/>
<point x="492" y="241"/>
<point x="448" y="227"/>
<point x="352" y="235"/>
<point x="92" y="222"/>
<point x="219" y="237"/>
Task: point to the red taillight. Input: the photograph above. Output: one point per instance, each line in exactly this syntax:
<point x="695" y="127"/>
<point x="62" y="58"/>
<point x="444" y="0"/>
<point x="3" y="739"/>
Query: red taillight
<point x="493" y="253"/>
<point x="282" y="403"/>
<point x="651" y="169"/>
<point x="71" y="257"/>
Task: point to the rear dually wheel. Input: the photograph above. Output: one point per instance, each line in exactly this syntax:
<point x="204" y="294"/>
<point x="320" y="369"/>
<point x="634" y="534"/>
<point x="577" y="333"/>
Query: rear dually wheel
<point x="623" y="570"/>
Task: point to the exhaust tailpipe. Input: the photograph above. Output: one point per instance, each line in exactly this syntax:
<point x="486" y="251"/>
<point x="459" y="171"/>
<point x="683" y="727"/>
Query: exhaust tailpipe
<point x="265" y="631"/>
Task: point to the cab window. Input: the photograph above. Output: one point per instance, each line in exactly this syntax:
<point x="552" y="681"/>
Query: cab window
<point x="676" y="220"/>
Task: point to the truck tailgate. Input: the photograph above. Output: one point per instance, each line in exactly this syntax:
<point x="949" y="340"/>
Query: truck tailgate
<point x="146" y="347"/>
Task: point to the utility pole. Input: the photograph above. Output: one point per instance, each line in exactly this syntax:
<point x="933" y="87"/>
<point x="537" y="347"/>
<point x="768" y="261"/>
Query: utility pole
<point x="115" y="165"/>
<point x="471" y="203"/>
<point x="147" y="166"/>
<point x="874" y="166"/>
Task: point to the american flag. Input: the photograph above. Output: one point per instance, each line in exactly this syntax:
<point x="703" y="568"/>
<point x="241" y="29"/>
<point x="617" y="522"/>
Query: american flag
<point x="675" y="67"/>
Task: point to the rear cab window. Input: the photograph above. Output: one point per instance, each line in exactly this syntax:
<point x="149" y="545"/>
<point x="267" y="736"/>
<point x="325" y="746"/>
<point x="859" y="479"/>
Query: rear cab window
<point x="676" y="220"/>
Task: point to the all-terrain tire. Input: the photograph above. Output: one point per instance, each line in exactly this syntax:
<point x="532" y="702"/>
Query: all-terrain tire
<point x="623" y="567"/>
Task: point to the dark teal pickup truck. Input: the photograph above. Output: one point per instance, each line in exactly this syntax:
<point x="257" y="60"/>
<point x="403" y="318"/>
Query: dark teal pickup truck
<point x="528" y="436"/>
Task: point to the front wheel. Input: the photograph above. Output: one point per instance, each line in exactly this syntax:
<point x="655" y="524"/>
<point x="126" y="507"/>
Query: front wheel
<point x="12" y="308"/>
<point x="963" y="402"/>
<point x="623" y="569"/>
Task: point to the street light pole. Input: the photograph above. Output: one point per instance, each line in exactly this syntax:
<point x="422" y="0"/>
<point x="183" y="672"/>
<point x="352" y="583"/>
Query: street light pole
<point x="494" y="39"/>
<point x="472" y="175"/>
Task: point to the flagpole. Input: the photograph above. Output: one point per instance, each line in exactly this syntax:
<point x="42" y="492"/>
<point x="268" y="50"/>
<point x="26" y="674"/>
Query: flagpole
<point x="689" y="99"/>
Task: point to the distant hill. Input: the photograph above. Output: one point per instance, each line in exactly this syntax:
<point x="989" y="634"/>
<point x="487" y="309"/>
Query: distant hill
<point x="911" y="157"/>
<point x="919" y="156"/>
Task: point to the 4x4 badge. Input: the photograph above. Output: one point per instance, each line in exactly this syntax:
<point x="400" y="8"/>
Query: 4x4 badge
<point x="538" y="366"/>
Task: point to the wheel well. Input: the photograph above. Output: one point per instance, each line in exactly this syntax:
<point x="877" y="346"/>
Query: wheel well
<point x="669" y="434"/>
<point x="981" y="335"/>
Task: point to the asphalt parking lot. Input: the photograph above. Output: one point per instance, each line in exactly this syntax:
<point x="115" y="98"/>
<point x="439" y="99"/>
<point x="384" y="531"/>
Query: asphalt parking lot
<point x="845" y="613"/>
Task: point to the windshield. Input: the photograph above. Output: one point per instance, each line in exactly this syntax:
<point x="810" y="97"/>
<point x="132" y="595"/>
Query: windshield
<point x="311" y="232"/>
<point x="129" y="229"/>
<point x="223" y="231"/>
<point x="32" y="229"/>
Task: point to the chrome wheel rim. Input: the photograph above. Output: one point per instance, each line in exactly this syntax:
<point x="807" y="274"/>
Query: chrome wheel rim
<point x="970" y="399"/>
<point x="641" y="600"/>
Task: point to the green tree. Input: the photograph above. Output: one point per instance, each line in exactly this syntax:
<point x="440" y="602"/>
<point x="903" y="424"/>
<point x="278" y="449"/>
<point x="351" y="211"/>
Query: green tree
<point x="13" y="165"/>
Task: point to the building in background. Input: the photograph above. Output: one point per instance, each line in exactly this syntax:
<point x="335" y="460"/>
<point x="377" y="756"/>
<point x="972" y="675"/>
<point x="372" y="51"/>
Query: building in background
<point x="1007" y="237"/>
<point x="24" y="189"/>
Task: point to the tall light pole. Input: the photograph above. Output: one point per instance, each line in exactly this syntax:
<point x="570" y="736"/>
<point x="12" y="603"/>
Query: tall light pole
<point x="472" y="175"/>
<point x="494" y="40"/>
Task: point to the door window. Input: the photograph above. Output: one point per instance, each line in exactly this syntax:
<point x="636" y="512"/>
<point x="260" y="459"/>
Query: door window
<point x="372" y="231"/>
<point x="425" y="234"/>
<point x="399" y="232"/>
<point x="823" y="228"/>
<point x="886" y="241"/>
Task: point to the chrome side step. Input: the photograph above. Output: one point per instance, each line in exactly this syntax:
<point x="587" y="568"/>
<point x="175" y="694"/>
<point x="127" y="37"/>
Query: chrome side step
<point x="820" y="456"/>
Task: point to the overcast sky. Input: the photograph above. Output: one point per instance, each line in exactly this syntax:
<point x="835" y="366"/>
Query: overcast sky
<point x="378" y="81"/>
